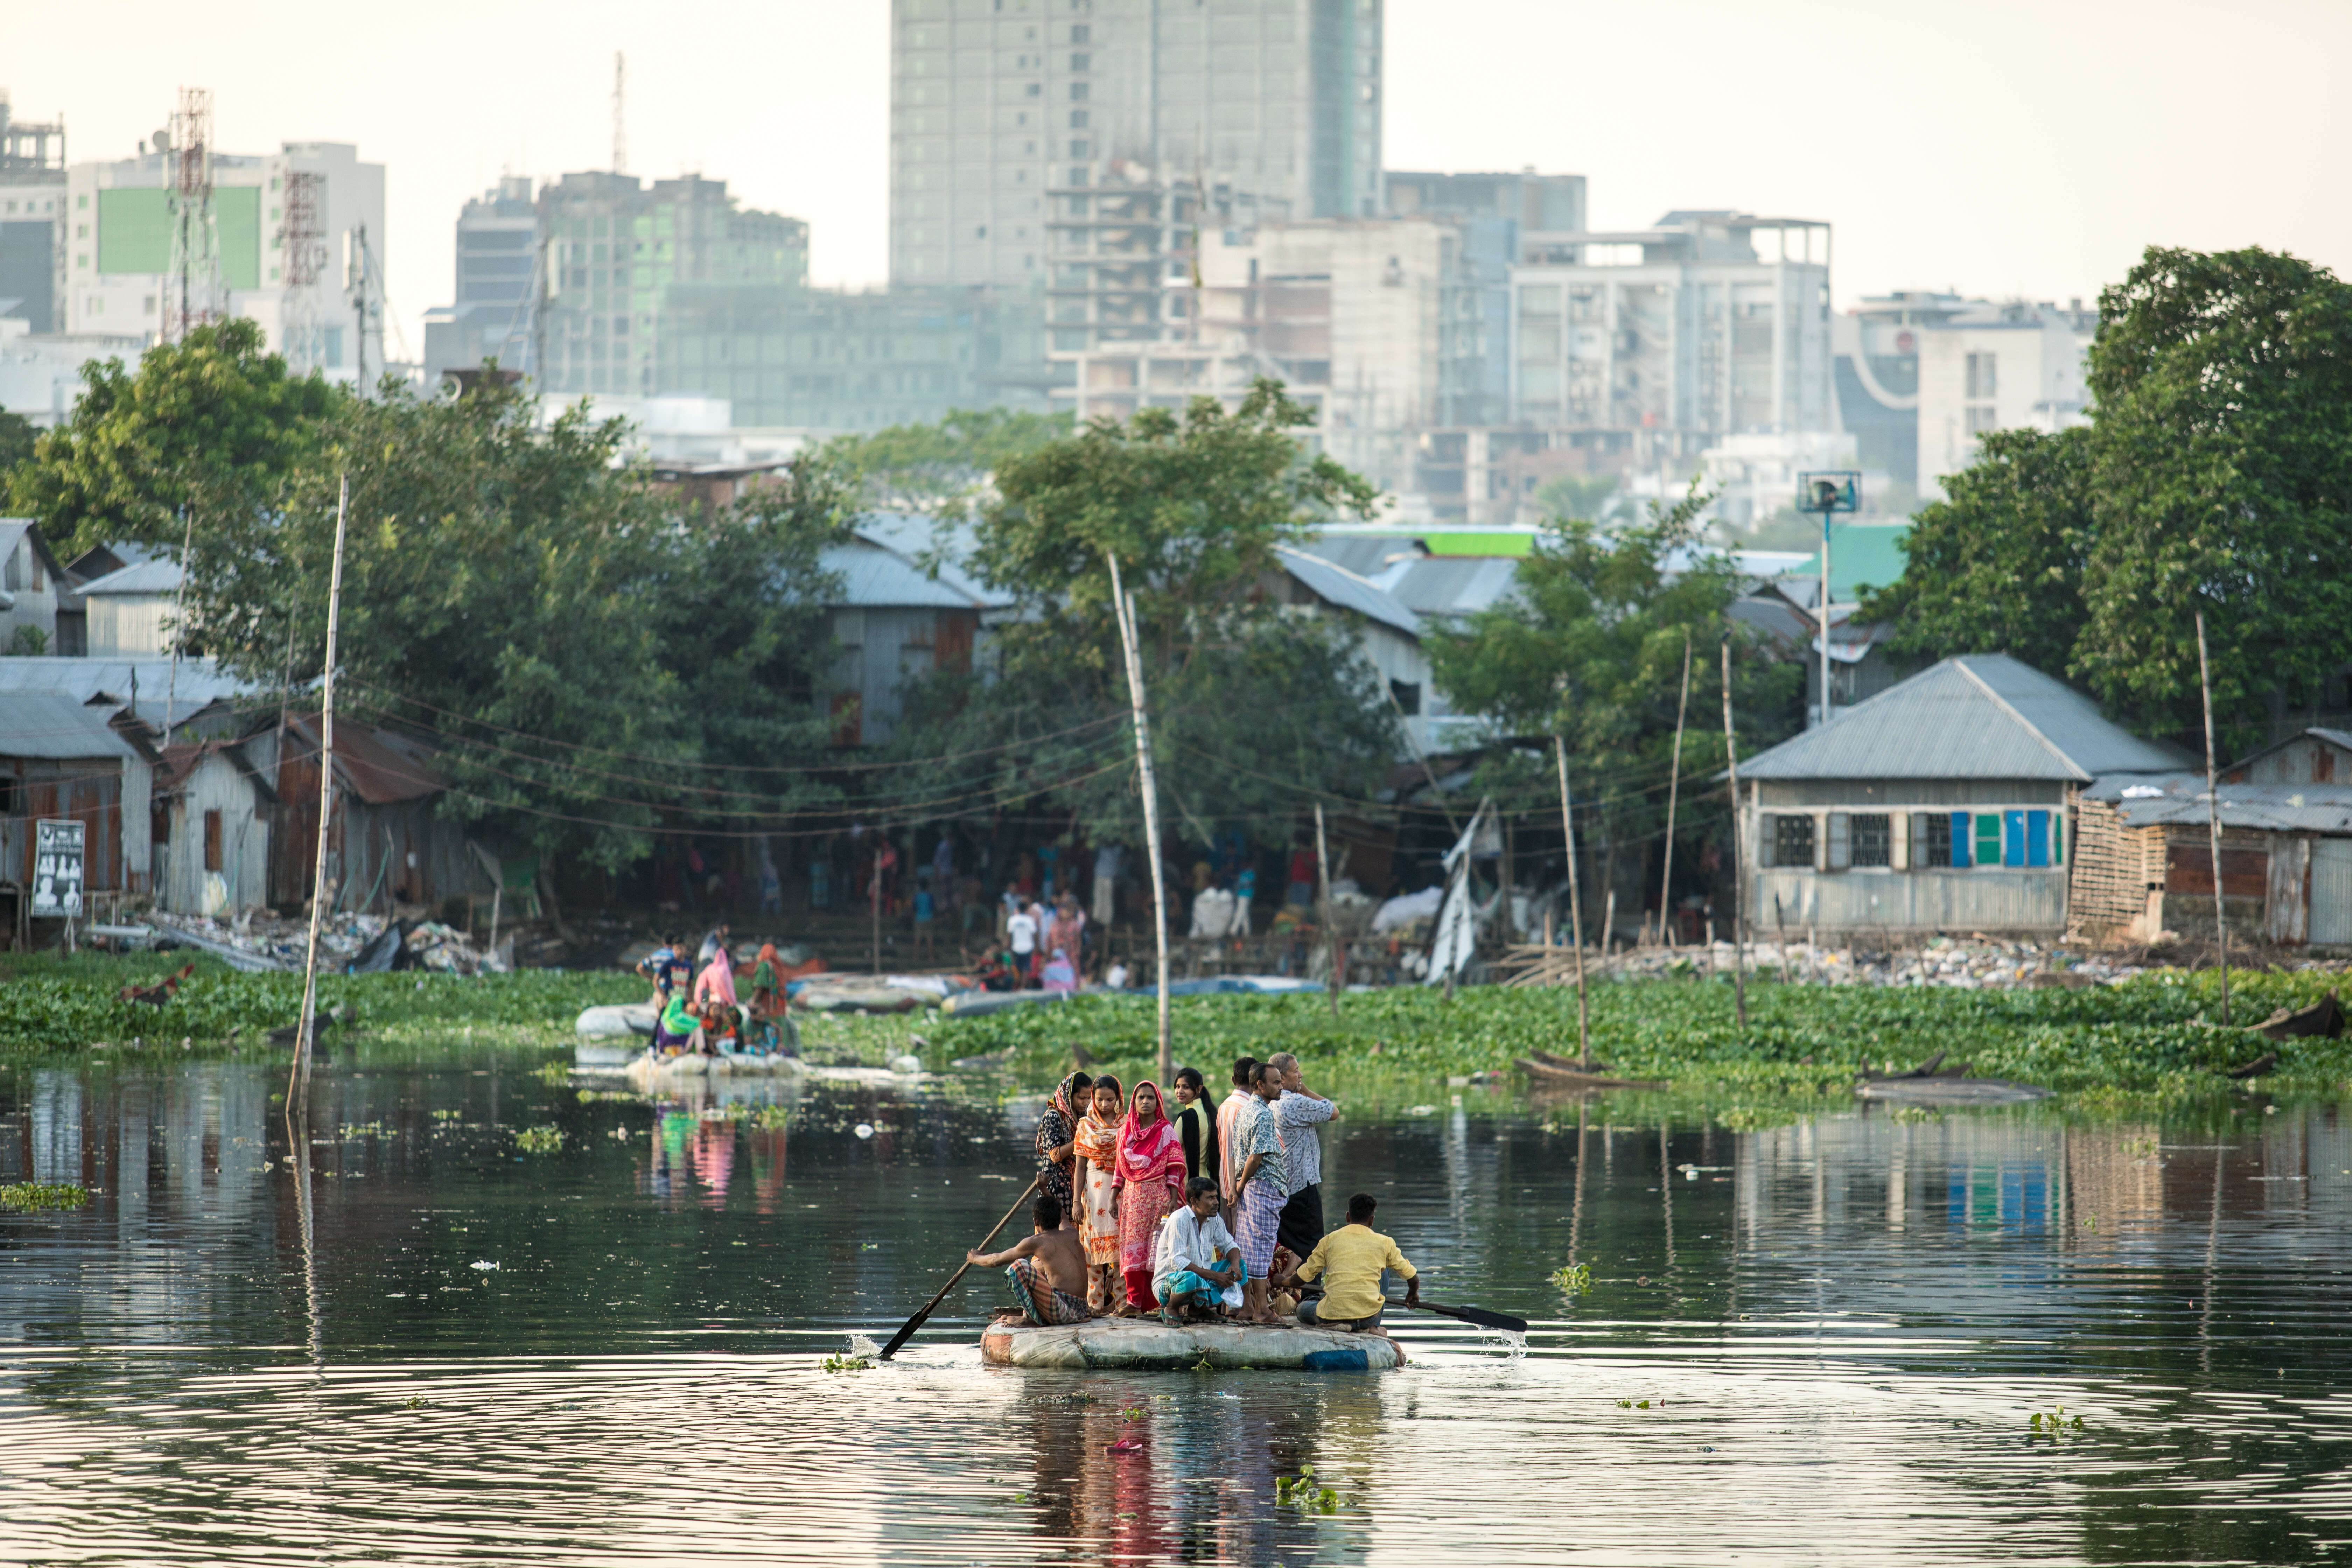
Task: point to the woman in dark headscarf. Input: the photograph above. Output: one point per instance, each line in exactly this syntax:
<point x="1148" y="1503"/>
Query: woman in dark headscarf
<point x="1057" y="1131"/>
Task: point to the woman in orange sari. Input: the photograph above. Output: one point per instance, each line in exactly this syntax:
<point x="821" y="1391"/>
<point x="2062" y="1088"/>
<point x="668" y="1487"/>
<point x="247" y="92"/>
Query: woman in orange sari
<point x="1151" y="1174"/>
<point x="1097" y="1180"/>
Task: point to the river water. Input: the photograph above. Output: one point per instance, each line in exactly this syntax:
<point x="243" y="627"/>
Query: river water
<point x="454" y="1348"/>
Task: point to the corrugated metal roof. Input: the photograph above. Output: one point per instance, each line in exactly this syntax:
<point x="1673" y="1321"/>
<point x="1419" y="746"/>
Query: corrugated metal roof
<point x="1338" y="586"/>
<point x="1455" y="585"/>
<point x="159" y="576"/>
<point x="2333" y="737"/>
<point x="112" y="680"/>
<point x="48" y="727"/>
<point x="884" y="566"/>
<point x="1370" y="556"/>
<point x="2143" y="800"/>
<point x="381" y="766"/>
<point x="1983" y="716"/>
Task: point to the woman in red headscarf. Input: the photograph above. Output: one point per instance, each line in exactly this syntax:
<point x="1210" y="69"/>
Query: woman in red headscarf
<point x="1150" y="1181"/>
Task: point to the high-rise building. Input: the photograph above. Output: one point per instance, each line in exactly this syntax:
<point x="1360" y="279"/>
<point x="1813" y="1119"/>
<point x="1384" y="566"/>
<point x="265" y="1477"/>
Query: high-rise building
<point x="1664" y="340"/>
<point x="1089" y="143"/>
<point x="32" y="199"/>
<point x="498" y="257"/>
<point x="322" y="307"/>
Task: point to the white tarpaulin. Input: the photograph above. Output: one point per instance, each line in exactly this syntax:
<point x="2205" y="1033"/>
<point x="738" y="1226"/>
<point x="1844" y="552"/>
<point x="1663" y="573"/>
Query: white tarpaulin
<point x="1457" y="918"/>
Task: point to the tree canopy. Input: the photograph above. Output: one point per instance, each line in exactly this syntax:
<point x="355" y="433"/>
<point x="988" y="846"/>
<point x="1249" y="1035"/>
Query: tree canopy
<point x="2215" y="475"/>
<point x="211" y="423"/>
<point x="941" y="469"/>
<point x="1195" y="507"/>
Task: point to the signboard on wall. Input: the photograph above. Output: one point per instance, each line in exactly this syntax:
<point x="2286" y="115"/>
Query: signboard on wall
<point x="57" y="868"/>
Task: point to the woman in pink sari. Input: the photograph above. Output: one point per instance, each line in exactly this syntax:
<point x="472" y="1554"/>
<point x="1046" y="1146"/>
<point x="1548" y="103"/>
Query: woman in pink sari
<point x="1150" y="1176"/>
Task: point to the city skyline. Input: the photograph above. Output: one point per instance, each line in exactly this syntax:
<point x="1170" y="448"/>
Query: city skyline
<point x="2005" y="151"/>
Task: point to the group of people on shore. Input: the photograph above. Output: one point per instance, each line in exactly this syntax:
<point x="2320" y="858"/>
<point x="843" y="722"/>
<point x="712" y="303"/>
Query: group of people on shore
<point x="1133" y="1213"/>
<point x="1042" y="945"/>
<point x="697" y="1007"/>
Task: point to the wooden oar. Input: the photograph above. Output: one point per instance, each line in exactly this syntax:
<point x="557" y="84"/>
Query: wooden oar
<point x="906" y="1329"/>
<point x="1478" y="1315"/>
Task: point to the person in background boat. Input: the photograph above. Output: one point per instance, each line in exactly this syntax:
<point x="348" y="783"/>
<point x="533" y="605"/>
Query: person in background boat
<point x="1195" y="1259"/>
<point x="1058" y="1128"/>
<point x="722" y="1033"/>
<point x="676" y="1030"/>
<point x="714" y="941"/>
<point x="1096" y="1179"/>
<point x="1061" y="975"/>
<point x="1196" y="1123"/>
<point x="767" y="984"/>
<point x="1229" y="1115"/>
<point x="1261" y="1182"/>
<point x="655" y="966"/>
<point x="1151" y="1177"/>
<point x="1047" y="1267"/>
<point x="716" y="981"/>
<point x="1352" y="1262"/>
<point x="1300" y="1109"/>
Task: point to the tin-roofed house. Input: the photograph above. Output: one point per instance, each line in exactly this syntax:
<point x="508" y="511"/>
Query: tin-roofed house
<point x="388" y="843"/>
<point x="904" y="608"/>
<point x="1944" y="803"/>
<point x="62" y="758"/>
<point x="213" y="812"/>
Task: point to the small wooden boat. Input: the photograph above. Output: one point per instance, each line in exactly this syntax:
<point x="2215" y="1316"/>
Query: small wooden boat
<point x="1550" y="1072"/>
<point x="1148" y="1344"/>
<point x="1948" y="1091"/>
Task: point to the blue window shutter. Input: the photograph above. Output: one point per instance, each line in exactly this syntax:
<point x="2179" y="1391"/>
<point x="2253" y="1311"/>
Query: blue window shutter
<point x="2037" y="839"/>
<point x="1961" y="830"/>
<point x="2013" y="838"/>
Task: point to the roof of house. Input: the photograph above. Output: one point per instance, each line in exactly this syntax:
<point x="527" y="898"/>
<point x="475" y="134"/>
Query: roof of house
<point x="49" y="727"/>
<point x="12" y="531"/>
<point x="887" y="565"/>
<point x="1343" y="589"/>
<point x="161" y="575"/>
<point x="2146" y="800"/>
<point x="2340" y="739"/>
<point x="381" y="766"/>
<point x="117" y="680"/>
<point x="1981" y="716"/>
<point x="1454" y="584"/>
<point x="181" y="761"/>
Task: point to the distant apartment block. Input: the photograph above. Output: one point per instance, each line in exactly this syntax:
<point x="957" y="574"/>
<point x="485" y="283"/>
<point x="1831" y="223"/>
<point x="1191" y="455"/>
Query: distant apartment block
<point x="1087" y="144"/>
<point x="498" y="285"/>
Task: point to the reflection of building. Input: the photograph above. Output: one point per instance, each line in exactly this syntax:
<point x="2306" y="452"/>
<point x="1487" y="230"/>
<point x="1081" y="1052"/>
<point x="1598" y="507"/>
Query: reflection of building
<point x="1707" y="324"/>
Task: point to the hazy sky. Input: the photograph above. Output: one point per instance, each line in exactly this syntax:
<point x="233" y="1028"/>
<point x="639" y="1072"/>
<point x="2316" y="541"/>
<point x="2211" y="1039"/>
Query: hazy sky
<point x="1997" y="146"/>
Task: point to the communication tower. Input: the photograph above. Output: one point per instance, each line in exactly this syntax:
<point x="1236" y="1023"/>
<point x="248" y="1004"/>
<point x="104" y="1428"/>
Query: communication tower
<point x="192" y="287"/>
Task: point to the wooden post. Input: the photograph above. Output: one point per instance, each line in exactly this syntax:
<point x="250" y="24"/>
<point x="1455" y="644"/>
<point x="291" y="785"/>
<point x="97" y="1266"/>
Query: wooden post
<point x="1323" y="881"/>
<point x="1575" y="912"/>
<point x="1674" y="791"/>
<point x="1123" y="607"/>
<point x="179" y="618"/>
<point x="297" y="1090"/>
<point x="2213" y="817"/>
<point x="1738" y="908"/>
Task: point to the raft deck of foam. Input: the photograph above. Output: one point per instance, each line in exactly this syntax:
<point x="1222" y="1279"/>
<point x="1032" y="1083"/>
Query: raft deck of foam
<point x="1147" y="1344"/>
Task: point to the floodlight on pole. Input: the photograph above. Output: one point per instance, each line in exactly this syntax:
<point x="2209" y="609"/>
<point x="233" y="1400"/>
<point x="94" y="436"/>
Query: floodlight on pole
<point x="1838" y="490"/>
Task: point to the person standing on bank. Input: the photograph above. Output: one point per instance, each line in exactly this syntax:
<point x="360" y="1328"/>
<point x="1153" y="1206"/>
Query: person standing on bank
<point x="1297" y="1111"/>
<point x="1261" y="1182"/>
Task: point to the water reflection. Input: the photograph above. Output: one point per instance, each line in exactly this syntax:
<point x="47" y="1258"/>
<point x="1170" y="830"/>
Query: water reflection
<point x="400" y="1332"/>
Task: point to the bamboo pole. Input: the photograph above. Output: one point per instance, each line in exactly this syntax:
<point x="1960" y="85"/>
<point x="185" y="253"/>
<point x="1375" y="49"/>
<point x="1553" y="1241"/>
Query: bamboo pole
<point x="1674" y="790"/>
<point x="1123" y="606"/>
<point x="1731" y="759"/>
<point x="179" y="619"/>
<point x="2213" y="816"/>
<point x="1575" y="912"/>
<point x="1323" y="882"/>
<point x="298" y="1089"/>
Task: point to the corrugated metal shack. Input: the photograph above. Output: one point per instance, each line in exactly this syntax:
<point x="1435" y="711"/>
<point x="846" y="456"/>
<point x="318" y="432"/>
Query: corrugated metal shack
<point x="899" y="614"/>
<point x="2146" y="856"/>
<point x="212" y="818"/>
<point x="388" y="843"/>
<point x="1943" y="803"/>
<point x="64" y="758"/>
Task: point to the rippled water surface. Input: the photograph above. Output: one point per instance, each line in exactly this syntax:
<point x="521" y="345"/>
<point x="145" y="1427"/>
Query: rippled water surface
<point x="452" y="1348"/>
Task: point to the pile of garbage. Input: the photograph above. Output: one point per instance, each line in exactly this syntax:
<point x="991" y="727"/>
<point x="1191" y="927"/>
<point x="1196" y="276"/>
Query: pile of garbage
<point x="348" y="942"/>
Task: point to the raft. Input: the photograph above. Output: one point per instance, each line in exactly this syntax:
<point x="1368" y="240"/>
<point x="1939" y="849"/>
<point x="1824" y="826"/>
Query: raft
<point x="646" y="1075"/>
<point x="1950" y="1091"/>
<point x="1147" y="1344"/>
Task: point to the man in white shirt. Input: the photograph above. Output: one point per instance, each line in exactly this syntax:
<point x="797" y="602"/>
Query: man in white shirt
<point x="1020" y="935"/>
<point x="1195" y="1260"/>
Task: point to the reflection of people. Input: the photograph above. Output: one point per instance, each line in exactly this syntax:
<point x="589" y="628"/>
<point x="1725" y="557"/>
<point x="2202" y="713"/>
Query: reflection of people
<point x="1350" y="1262"/>
<point x="1047" y="1267"/>
<point x="1195" y="1259"/>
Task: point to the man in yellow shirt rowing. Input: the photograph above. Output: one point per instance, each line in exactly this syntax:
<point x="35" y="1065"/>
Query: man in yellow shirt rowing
<point x="1350" y="1262"/>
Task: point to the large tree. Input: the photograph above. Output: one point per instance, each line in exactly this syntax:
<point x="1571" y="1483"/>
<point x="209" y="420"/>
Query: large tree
<point x="1590" y="647"/>
<point x="1996" y="566"/>
<point x="1254" y="704"/>
<point x="943" y="469"/>
<point x="2222" y="473"/>
<point x="213" y="423"/>
<point x="588" y="645"/>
